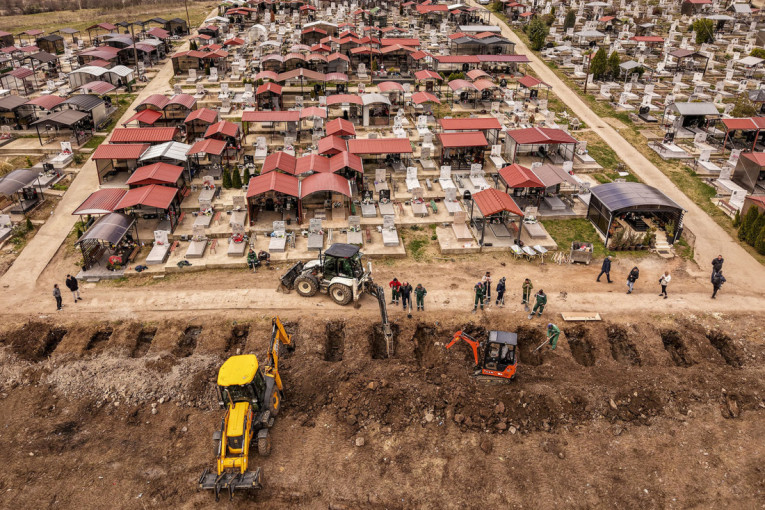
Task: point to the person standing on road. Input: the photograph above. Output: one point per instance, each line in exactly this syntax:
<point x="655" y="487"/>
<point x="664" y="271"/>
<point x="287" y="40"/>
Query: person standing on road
<point x="395" y="290"/>
<point x="553" y="332"/>
<point x="478" y="296"/>
<point x="486" y="280"/>
<point x="605" y="269"/>
<point x="57" y="295"/>
<point x="406" y="296"/>
<point x="72" y="285"/>
<point x="501" y="292"/>
<point x="717" y="264"/>
<point x="632" y="278"/>
<point x="717" y="280"/>
<point x="419" y="294"/>
<point x="541" y="302"/>
<point x="664" y="281"/>
<point x="527" y="286"/>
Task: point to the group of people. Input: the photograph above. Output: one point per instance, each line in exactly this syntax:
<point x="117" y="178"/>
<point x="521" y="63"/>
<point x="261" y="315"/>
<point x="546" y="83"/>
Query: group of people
<point x="717" y="277"/>
<point x="403" y="292"/>
<point x="73" y="286"/>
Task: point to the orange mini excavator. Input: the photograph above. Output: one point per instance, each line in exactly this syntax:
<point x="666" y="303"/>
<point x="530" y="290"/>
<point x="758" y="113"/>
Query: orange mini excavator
<point x="499" y="360"/>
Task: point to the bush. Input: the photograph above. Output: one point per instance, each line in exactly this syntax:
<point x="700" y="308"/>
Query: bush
<point x="29" y="225"/>
<point x="226" y="178"/>
<point x="537" y="32"/>
<point x="599" y="64"/>
<point x="754" y="231"/>
<point x="704" y="29"/>
<point x="236" y="179"/>
<point x="750" y="218"/>
<point x="758" y="52"/>
<point x="570" y="20"/>
<point x="760" y="245"/>
<point x="737" y="220"/>
<point x="613" y="65"/>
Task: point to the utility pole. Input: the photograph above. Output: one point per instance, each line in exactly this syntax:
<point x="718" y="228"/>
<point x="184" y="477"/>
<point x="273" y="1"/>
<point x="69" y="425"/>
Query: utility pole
<point x="188" y="20"/>
<point x="135" y="52"/>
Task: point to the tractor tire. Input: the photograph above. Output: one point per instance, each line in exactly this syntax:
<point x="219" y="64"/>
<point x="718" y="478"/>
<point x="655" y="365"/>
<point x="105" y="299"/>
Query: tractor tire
<point x="306" y="286"/>
<point x="264" y="446"/>
<point x="341" y="294"/>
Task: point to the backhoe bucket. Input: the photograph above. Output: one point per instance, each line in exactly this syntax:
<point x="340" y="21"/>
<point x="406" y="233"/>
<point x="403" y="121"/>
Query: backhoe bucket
<point x="230" y="481"/>
<point x="288" y="279"/>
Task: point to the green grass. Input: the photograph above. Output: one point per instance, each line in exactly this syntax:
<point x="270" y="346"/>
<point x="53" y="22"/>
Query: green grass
<point x="94" y="142"/>
<point x="416" y="248"/>
<point x="123" y="103"/>
<point x="564" y="232"/>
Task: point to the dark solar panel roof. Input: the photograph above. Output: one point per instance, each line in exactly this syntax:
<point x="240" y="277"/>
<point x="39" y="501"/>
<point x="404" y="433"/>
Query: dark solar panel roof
<point x="622" y="195"/>
<point x="110" y="228"/>
<point x="85" y="102"/>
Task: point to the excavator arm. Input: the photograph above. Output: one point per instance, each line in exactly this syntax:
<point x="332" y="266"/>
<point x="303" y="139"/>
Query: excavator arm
<point x="378" y="292"/>
<point x="472" y="342"/>
<point x="278" y="336"/>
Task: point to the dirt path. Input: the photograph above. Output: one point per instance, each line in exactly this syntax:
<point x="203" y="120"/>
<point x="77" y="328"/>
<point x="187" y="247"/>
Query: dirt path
<point x="711" y="239"/>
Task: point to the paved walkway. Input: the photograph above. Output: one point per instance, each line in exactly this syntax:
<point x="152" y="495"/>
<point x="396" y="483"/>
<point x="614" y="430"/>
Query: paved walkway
<point x="740" y="267"/>
<point x="43" y="246"/>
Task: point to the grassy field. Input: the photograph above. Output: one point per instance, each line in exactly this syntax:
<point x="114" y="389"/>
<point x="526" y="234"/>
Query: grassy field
<point x="82" y="19"/>
<point x="564" y="232"/>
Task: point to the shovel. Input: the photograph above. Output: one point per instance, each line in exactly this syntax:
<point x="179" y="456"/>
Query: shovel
<point x="542" y="345"/>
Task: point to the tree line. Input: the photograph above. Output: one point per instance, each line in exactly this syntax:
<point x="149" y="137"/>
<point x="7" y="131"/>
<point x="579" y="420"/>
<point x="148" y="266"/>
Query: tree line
<point x="17" y="7"/>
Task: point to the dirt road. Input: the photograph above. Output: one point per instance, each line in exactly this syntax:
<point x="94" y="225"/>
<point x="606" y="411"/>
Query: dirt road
<point x="711" y="239"/>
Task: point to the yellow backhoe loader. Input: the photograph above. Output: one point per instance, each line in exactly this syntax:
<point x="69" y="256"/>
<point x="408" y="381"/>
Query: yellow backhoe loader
<point x="252" y="396"/>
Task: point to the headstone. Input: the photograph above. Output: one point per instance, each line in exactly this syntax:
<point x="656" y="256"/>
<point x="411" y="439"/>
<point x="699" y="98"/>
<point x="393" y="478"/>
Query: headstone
<point x="160" y="237"/>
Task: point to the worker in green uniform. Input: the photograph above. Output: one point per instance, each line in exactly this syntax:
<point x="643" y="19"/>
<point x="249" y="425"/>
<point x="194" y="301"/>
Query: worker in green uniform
<point x="541" y="301"/>
<point x="252" y="259"/>
<point x="419" y="294"/>
<point x="553" y="332"/>
<point x="479" y="294"/>
<point x="527" y="286"/>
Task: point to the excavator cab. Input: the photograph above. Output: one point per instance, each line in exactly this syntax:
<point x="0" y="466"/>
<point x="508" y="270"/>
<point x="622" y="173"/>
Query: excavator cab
<point x="499" y="359"/>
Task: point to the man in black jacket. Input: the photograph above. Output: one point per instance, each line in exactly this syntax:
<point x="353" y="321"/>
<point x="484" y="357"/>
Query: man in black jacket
<point x="74" y="287"/>
<point x="406" y="296"/>
<point x="717" y="264"/>
<point x="605" y="269"/>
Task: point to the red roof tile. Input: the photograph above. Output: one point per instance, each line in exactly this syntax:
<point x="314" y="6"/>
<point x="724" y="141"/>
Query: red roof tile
<point x="324" y="182"/>
<point x="120" y="151"/>
<point x="380" y="146"/>
<point x="340" y="127"/>
<point x="204" y="114"/>
<point x="146" y="134"/>
<point x="223" y="127"/>
<point x="145" y="117"/>
<point x="517" y="176"/>
<point x="279" y="161"/>
<point x="207" y="146"/>
<point x="274" y="116"/>
<point x="492" y="201"/>
<point x="470" y="124"/>
<point x="154" y="195"/>
<point x="463" y="139"/>
<point x="157" y="173"/>
<point x="101" y="201"/>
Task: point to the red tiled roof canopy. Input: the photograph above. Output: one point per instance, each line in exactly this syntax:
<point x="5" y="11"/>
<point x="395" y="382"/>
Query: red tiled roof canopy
<point x="279" y="161"/>
<point x="756" y="157"/>
<point x="427" y="74"/>
<point x="517" y="176"/>
<point x="387" y="86"/>
<point x="153" y="195"/>
<point x="537" y="135"/>
<point x="186" y="100"/>
<point x="207" y="146"/>
<point x="101" y="201"/>
<point x="204" y="114"/>
<point x="530" y="81"/>
<point x="470" y="124"/>
<point x="223" y="127"/>
<point x="745" y="124"/>
<point x="424" y="97"/>
<point x="464" y="139"/>
<point x="274" y="116"/>
<point x="147" y="134"/>
<point x="46" y="102"/>
<point x="647" y="38"/>
<point x="380" y="146"/>
<point x="120" y="151"/>
<point x="492" y="201"/>
<point x="269" y="87"/>
<point x="157" y="173"/>
<point x="157" y="100"/>
<point x="324" y="182"/>
<point x="340" y="127"/>
<point x="145" y="117"/>
<point x="346" y="160"/>
<point x="332" y="145"/>
<point x="311" y="163"/>
<point x="344" y="98"/>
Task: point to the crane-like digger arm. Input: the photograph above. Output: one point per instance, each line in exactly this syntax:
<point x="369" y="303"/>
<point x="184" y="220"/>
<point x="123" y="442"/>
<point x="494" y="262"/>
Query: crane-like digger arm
<point x="472" y="342"/>
<point x="278" y="335"/>
<point x="378" y="292"/>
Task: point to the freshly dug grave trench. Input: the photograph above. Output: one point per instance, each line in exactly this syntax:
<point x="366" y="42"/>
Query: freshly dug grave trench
<point x="622" y="350"/>
<point x="378" y="348"/>
<point x="528" y="340"/>
<point x="676" y="348"/>
<point x="425" y="351"/>
<point x="725" y="347"/>
<point x="143" y="342"/>
<point x="581" y="348"/>
<point x="97" y="342"/>
<point x="237" y="341"/>
<point x="334" y="341"/>
<point x="188" y="342"/>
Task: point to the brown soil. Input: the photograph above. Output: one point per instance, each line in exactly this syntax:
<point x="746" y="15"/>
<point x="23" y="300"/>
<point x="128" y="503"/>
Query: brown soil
<point x="123" y="413"/>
